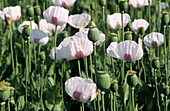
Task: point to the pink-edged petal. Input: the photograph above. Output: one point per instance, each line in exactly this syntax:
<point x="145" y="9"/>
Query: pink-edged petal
<point x="32" y="23"/>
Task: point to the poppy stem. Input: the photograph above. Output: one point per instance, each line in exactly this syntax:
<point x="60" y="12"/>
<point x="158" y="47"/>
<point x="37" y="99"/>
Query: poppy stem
<point x="2" y="106"/>
<point x="42" y="83"/>
<point x="91" y="68"/>
<point x="104" y="43"/>
<point x="27" y="72"/>
<point x="86" y="66"/>
<point x="103" y="104"/>
<point x="55" y="48"/>
<point x="79" y="68"/>
<point x="114" y="97"/>
<point x="133" y="103"/>
<point x="111" y="101"/>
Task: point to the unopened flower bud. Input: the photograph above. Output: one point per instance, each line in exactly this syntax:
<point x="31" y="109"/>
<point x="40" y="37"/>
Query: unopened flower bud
<point x="114" y="86"/>
<point x="128" y="35"/>
<point x="124" y="5"/>
<point x="155" y="63"/>
<point x="4" y="95"/>
<point x="132" y="78"/>
<point x="29" y="11"/>
<point x="93" y="34"/>
<point x="102" y="2"/>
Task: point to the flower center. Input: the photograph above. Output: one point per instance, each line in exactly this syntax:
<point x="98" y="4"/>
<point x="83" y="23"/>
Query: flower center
<point x="54" y="20"/>
<point x="127" y="57"/>
<point x="79" y="54"/>
<point x="64" y="4"/>
<point x="154" y="43"/>
<point x="76" y="95"/>
<point x="118" y="25"/>
<point x="36" y="40"/>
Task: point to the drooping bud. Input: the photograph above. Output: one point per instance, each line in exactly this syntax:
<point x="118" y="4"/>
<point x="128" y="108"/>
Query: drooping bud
<point x="29" y="11"/>
<point x="128" y="35"/>
<point x="114" y="86"/>
<point x="26" y="31"/>
<point x="93" y="33"/>
<point x="155" y="62"/>
<point x="113" y="38"/>
<point x="132" y="78"/>
<point x="103" y="80"/>
<point x="165" y="17"/>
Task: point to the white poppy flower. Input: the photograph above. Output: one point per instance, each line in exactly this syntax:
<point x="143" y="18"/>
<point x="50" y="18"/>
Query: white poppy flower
<point x="56" y="15"/>
<point x="49" y="28"/>
<point x="114" y="21"/>
<point x="32" y="23"/>
<point x="79" y="20"/>
<point x="163" y="5"/>
<point x="11" y="13"/>
<point x="39" y="37"/>
<point x="73" y="47"/>
<point x="154" y="39"/>
<point x="139" y="23"/>
<point x="80" y="89"/>
<point x="127" y="50"/>
<point x="64" y="3"/>
<point x="138" y="3"/>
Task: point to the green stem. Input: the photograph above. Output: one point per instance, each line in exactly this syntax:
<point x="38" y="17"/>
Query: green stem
<point x="95" y="64"/>
<point x="55" y="48"/>
<point x="103" y="105"/>
<point x="26" y="74"/>
<point x="42" y="83"/>
<point x="104" y="43"/>
<point x="157" y="91"/>
<point x="2" y="106"/>
<point x="86" y="66"/>
<point x="149" y="13"/>
<point x="111" y="101"/>
<point x="82" y="106"/>
<point x="91" y="68"/>
<point x="133" y="102"/>
<point x="166" y="103"/>
<point x="9" y="109"/>
<point x="11" y="48"/>
<point x="79" y="68"/>
<point x="98" y="101"/>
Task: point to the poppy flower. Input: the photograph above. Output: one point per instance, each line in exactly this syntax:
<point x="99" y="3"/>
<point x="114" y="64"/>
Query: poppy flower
<point x="39" y="37"/>
<point x="56" y="15"/>
<point x="49" y="28"/>
<point x="127" y="50"/>
<point x="138" y="24"/>
<point x="138" y="3"/>
<point x="114" y="21"/>
<point x="154" y="39"/>
<point x="32" y="24"/>
<point x="79" y="21"/>
<point x="64" y="3"/>
<point x="80" y="89"/>
<point x="11" y="13"/>
<point x="74" y="47"/>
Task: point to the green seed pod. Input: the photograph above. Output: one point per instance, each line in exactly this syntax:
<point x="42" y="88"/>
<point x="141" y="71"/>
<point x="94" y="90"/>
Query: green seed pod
<point x="113" y="38"/>
<point x="65" y="34"/>
<point x="132" y="78"/>
<point x="165" y="17"/>
<point x="29" y="11"/>
<point x="93" y="34"/>
<point x="26" y="32"/>
<point x="155" y="62"/>
<point x="123" y="5"/>
<point x="103" y="80"/>
<point x="4" y="95"/>
<point x="128" y="35"/>
<point x="37" y="10"/>
<point x="102" y="2"/>
<point x="114" y="86"/>
<point x="42" y="56"/>
<point x="141" y="31"/>
<point x="166" y="90"/>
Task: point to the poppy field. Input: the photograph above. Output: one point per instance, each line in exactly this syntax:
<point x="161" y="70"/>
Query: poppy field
<point x="84" y="55"/>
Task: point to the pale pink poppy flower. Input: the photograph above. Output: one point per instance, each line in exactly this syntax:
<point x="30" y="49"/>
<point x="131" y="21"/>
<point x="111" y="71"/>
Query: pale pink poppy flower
<point x="85" y="31"/>
<point x="154" y="39"/>
<point x="81" y="89"/>
<point x="127" y="50"/>
<point x="56" y="15"/>
<point x="49" y="28"/>
<point x="138" y="3"/>
<point x="74" y="47"/>
<point x="11" y="13"/>
<point x="39" y="37"/>
<point x="64" y="3"/>
<point x="114" y="21"/>
<point x="32" y="24"/>
<point x="138" y="24"/>
<point x="163" y="5"/>
<point x="79" y="21"/>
